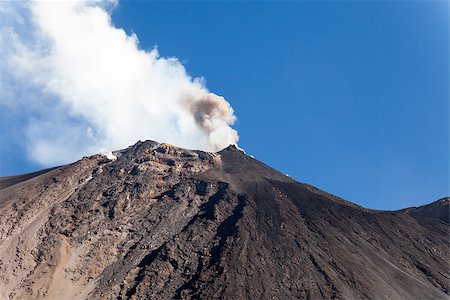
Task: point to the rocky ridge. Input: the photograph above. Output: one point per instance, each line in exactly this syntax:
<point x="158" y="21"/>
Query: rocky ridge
<point x="170" y="223"/>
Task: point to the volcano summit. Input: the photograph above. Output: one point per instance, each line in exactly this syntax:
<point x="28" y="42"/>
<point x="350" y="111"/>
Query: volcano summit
<point x="161" y="222"/>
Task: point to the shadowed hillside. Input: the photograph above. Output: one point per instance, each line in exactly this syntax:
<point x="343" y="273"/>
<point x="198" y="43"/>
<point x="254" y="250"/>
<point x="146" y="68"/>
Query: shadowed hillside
<point x="170" y="223"/>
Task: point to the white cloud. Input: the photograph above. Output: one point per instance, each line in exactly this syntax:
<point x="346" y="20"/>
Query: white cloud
<point x="87" y="85"/>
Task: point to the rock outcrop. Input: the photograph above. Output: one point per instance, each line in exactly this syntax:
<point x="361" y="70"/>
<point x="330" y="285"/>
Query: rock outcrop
<point x="162" y="222"/>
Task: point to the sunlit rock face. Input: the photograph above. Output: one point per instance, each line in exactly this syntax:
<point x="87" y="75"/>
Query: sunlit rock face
<point x="162" y="222"/>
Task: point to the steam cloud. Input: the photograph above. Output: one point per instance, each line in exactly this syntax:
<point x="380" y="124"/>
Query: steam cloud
<point x="84" y="85"/>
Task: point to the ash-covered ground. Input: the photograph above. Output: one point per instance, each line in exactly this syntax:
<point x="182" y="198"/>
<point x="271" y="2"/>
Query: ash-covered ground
<point x="162" y="222"/>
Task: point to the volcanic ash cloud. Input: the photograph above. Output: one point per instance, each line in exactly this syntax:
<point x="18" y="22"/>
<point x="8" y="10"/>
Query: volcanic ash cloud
<point x="83" y="85"/>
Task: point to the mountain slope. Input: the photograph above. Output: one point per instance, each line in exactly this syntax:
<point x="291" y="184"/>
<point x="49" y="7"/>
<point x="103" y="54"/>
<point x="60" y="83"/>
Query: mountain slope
<point x="165" y="222"/>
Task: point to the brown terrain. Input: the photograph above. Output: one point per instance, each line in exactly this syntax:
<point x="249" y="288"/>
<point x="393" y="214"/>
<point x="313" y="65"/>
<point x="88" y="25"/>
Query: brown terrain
<point x="162" y="222"/>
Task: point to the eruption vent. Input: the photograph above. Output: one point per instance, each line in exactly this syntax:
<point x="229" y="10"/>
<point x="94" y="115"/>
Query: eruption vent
<point x="83" y="85"/>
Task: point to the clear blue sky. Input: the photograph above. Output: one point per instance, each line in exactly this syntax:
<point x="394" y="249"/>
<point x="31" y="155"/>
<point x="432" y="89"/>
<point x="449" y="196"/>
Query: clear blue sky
<point x="352" y="97"/>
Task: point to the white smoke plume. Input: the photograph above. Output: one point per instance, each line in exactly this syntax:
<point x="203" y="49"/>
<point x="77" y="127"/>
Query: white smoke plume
<point x="84" y="85"/>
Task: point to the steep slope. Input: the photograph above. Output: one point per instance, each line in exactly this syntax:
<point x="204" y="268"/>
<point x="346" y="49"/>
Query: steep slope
<point x="12" y="180"/>
<point x="436" y="210"/>
<point x="164" y="222"/>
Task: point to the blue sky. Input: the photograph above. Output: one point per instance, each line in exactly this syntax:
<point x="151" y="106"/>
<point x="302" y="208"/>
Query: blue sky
<point x="352" y="97"/>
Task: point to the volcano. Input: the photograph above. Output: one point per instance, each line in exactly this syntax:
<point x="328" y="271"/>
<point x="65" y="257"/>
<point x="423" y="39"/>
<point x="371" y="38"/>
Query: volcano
<point x="162" y="222"/>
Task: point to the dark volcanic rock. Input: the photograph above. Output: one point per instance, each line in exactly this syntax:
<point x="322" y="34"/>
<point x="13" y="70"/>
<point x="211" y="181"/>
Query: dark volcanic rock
<point x="437" y="210"/>
<point x="162" y="222"/>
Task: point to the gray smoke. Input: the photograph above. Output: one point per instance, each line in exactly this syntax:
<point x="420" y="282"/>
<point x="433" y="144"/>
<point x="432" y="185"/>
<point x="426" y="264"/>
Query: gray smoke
<point x="86" y="86"/>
